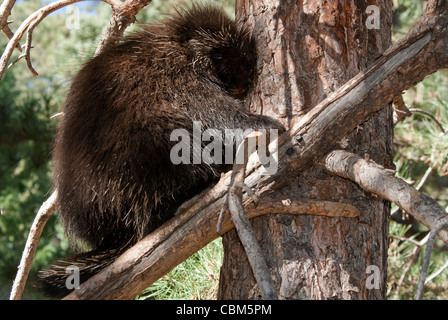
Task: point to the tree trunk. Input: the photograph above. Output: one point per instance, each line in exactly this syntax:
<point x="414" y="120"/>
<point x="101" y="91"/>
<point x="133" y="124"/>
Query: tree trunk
<point x="307" y="49"/>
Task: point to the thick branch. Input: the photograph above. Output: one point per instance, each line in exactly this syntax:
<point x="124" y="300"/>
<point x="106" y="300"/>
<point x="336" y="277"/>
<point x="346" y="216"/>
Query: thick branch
<point x="374" y="178"/>
<point x="184" y="235"/>
<point x="123" y="15"/>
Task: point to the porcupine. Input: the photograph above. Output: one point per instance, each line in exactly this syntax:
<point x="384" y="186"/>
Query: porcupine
<point x="112" y="168"/>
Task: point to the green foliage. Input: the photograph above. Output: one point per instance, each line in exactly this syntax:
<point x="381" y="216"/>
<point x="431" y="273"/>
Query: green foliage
<point x="406" y="251"/>
<point x="419" y="144"/>
<point x="195" y="279"/>
<point x="25" y="139"/>
<point x="405" y="16"/>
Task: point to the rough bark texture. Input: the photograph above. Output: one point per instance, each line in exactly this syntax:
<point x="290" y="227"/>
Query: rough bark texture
<point x="307" y="49"/>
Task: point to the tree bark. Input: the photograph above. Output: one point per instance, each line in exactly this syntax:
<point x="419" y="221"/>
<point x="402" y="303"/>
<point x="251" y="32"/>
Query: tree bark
<point x="306" y="51"/>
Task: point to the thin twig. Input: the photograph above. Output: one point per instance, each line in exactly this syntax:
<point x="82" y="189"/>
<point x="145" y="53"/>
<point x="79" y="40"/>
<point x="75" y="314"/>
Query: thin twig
<point x="424" y="178"/>
<point x="57" y="115"/>
<point x="23" y="55"/>
<point x="417" y="243"/>
<point x="409" y="261"/>
<point x="429" y="115"/>
<point x="424" y="271"/>
<point x="29" y="37"/>
<point x="437" y="273"/>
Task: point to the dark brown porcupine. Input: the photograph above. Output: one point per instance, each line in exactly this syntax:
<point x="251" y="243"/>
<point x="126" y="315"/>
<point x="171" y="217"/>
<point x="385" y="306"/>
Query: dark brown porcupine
<point x="115" y="180"/>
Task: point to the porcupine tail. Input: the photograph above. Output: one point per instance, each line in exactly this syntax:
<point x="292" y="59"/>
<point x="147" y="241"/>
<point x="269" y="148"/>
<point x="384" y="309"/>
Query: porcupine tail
<point x="58" y="280"/>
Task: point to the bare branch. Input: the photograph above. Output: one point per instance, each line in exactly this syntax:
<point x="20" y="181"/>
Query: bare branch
<point x="437" y="273"/>
<point x="44" y="213"/>
<point x="186" y="233"/>
<point x="5" y="12"/>
<point x="374" y="178"/>
<point x="424" y="178"/>
<point x="57" y="115"/>
<point x="429" y="115"/>
<point x="29" y="37"/>
<point x="123" y="15"/>
<point x="30" y="23"/>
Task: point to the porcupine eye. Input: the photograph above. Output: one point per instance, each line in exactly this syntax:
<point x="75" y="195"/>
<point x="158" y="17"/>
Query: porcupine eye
<point x="216" y="56"/>
<point x="233" y="70"/>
